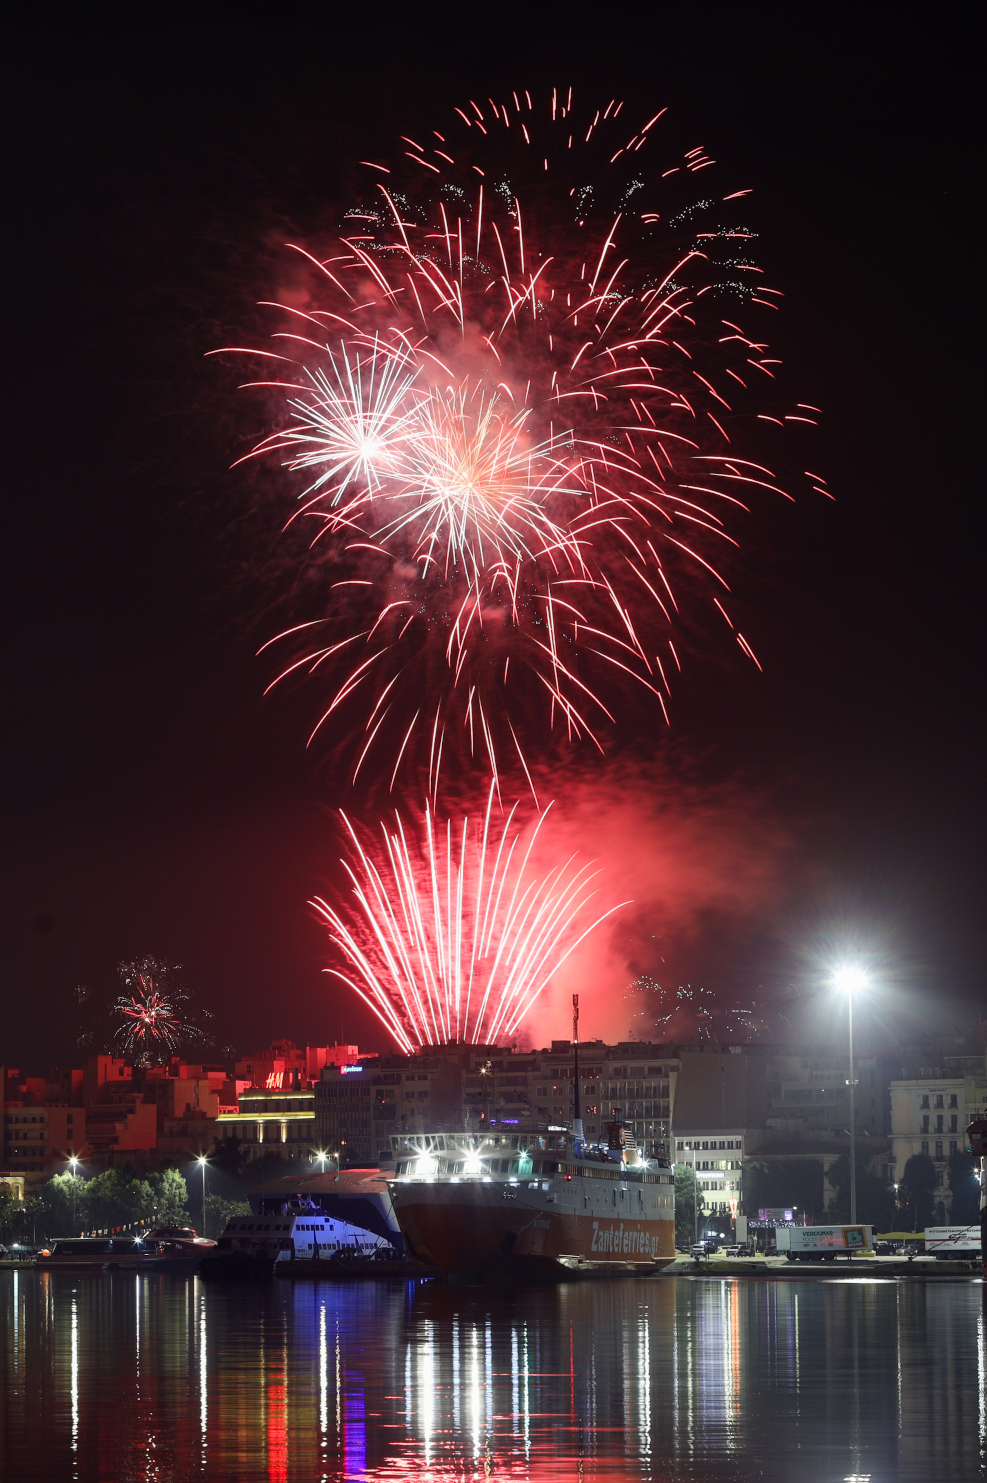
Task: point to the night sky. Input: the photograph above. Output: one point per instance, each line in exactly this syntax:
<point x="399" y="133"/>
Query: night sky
<point x="158" y="160"/>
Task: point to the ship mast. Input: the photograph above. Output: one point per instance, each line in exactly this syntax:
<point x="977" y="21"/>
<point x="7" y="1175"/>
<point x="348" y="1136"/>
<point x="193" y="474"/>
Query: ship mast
<point x="577" y="1111"/>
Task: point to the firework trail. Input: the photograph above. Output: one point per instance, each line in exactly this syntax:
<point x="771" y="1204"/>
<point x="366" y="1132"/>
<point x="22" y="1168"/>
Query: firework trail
<point x="516" y="407"/>
<point x="695" y="1014"/>
<point x="154" y="1022"/>
<point x="453" y="930"/>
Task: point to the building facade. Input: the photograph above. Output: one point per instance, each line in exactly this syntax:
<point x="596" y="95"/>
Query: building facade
<point x="931" y="1110"/>
<point x="716" y="1158"/>
<point x="271" y="1120"/>
<point x="457" y="1087"/>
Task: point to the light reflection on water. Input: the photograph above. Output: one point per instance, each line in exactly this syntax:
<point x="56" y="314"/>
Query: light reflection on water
<point x="153" y="1379"/>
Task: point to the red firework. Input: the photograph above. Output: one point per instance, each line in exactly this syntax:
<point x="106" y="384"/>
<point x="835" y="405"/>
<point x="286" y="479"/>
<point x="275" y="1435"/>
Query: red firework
<point x="152" y="1010"/>
<point x="452" y="932"/>
<point x="517" y="404"/>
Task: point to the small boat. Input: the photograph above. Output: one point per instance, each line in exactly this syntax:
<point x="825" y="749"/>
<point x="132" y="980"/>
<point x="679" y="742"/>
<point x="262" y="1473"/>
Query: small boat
<point x="180" y="1241"/>
<point x="125" y="1253"/>
<point x="252" y="1245"/>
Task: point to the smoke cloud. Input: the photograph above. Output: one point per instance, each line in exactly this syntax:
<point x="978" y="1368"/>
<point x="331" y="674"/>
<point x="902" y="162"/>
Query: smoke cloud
<point x="706" y="872"/>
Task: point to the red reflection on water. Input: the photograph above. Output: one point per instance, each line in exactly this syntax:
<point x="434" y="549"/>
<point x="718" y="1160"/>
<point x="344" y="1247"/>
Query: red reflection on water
<point x="277" y="1429"/>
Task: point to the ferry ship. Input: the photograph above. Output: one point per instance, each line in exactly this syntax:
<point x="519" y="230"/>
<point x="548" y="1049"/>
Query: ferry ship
<point x="543" y="1201"/>
<point x="251" y="1245"/>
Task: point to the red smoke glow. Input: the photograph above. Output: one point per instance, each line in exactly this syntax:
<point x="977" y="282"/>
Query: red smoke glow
<point x="686" y="858"/>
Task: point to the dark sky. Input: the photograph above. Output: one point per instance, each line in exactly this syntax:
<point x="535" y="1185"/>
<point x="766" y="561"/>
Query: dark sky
<point x="158" y="158"/>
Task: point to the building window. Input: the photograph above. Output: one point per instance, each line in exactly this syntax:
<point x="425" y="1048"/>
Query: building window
<point x="938" y="1150"/>
<point x="952" y="1124"/>
<point x="925" y="1149"/>
<point x="939" y="1101"/>
<point x="925" y="1125"/>
<point x="952" y="1100"/>
<point x="952" y="1145"/>
<point x="925" y="1099"/>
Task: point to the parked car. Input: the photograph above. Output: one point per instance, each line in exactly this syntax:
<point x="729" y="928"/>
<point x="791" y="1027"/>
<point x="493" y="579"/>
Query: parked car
<point x="739" y="1248"/>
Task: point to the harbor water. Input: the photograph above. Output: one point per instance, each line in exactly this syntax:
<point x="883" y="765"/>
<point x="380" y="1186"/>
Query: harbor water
<point x="153" y="1378"/>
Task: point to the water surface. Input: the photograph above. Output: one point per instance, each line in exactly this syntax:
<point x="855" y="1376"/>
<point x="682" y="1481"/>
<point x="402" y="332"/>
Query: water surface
<point x="158" y="1379"/>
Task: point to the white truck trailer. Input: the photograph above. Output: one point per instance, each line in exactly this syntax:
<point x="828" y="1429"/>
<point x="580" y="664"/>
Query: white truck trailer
<point x="822" y="1243"/>
<point x="961" y="1242"/>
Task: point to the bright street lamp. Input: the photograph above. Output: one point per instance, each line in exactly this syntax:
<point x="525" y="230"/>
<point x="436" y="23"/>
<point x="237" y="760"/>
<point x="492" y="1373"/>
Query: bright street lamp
<point x="202" y="1161"/>
<point x="74" y="1166"/>
<point x="846" y="980"/>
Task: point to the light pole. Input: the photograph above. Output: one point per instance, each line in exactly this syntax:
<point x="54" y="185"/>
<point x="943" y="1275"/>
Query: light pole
<point x="848" y="979"/>
<point x="73" y="1165"/>
<point x="202" y="1161"/>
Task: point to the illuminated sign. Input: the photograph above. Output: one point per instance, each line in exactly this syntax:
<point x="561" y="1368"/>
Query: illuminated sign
<point x="346" y="1069"/>
<point x="275" y="1080"/>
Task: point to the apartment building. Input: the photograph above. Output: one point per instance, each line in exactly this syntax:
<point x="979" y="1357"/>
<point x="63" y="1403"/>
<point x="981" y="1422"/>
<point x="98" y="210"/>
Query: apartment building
<point x="359" y="1108"/>
<point x="716" y="1158"/>
<point x="931" y="1110"/>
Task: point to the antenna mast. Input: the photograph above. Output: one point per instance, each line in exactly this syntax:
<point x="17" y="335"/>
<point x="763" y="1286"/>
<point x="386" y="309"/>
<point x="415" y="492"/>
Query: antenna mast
<point x="577" y="1111"/>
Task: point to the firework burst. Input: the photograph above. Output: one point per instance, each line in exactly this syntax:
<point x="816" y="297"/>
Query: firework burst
<point x="453" y="930"/>
<point x="516" y="398"/>
<point x="154" y="1020"/>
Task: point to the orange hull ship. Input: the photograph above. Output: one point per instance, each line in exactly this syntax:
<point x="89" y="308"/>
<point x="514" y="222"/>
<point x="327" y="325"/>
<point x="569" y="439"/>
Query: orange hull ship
<point x="470" y="1204"/>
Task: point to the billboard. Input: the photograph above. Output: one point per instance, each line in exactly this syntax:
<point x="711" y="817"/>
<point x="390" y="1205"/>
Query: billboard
<point x="775" y="1214"/>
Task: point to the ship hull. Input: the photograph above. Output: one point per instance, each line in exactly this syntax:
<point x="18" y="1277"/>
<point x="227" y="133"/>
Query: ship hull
<point x="474" y="1227"/>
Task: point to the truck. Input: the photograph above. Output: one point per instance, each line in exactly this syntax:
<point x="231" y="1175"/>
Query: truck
<point x="962" y="1242"/>
<point x="822" y="1243"/>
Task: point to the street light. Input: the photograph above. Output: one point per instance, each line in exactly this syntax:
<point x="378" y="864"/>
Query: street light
<point x="73" y="1165"/>
<point x="202" y="1161"/>
<point x="846" y="980"/>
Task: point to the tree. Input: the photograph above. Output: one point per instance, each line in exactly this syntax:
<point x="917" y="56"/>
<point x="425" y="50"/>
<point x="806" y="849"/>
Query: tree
<point x="61" y="1205"/>
<point x="875" y="1196"/>
<point x="219" y="1211"/>
<point x="170" y="1196"/>
<point x="783" y="1184"/>
<point x="685" y="1204"/>
<point x="231" y="1156"/>
<point x="964" y="1208"/>
<point x="117" y="1199"/>
<point x="917" y="1192"/>
<point x="10" y="1209"/>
